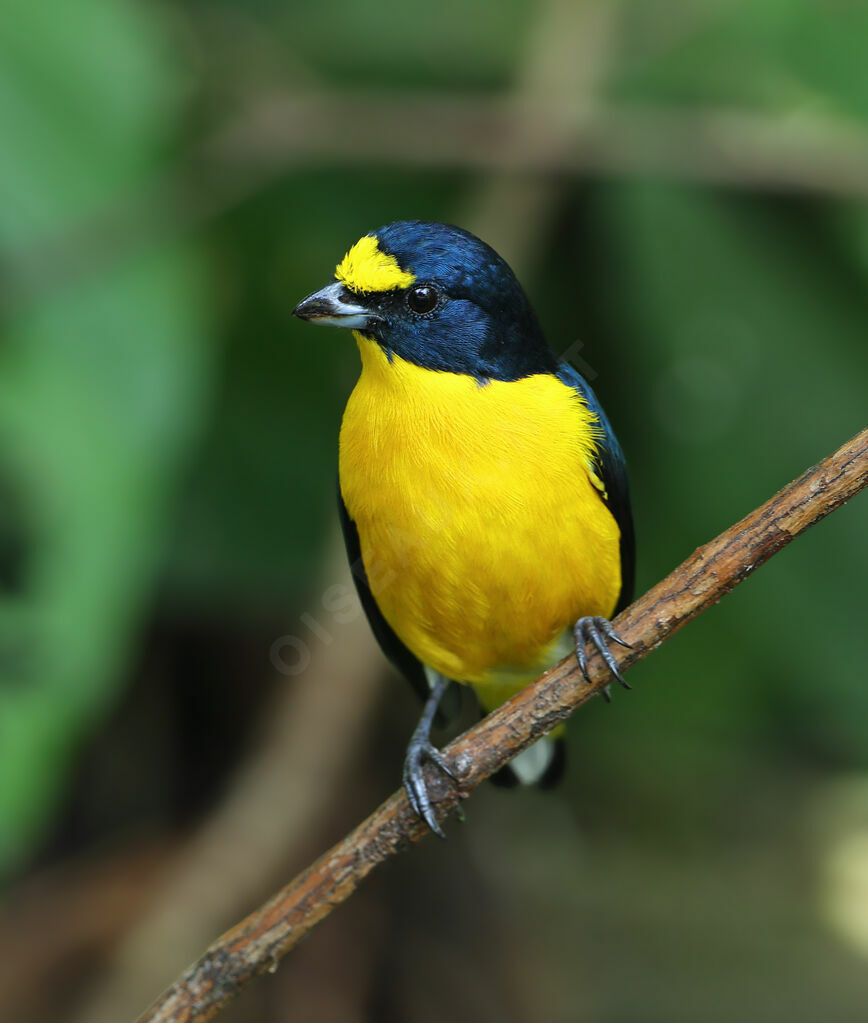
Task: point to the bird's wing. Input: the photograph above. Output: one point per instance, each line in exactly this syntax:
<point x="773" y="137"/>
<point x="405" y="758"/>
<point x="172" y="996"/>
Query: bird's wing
<point x="611" y="467"/>
<point x="407" y="663"/>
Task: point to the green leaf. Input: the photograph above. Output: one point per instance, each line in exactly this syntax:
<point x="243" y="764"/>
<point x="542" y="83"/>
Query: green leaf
<point x="102" y="381"/>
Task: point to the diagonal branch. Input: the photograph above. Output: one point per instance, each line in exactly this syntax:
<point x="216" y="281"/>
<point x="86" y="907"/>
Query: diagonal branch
<point x="256" y="944"/>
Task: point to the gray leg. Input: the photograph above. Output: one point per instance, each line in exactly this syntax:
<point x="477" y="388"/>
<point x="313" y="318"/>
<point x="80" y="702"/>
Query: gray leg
<point x="420" y="750"/>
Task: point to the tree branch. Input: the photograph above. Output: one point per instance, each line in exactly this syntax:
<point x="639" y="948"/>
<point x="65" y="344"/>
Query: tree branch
<point x="256" y="944"/>
<point x="709" y="145"/>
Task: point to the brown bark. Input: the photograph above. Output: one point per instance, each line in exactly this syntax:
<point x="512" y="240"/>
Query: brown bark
<point x="257" y="943"/>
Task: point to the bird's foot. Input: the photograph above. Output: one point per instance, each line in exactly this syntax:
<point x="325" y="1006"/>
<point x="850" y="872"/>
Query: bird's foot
<point x="421" y="749"/>
<point x="597" y="630"/>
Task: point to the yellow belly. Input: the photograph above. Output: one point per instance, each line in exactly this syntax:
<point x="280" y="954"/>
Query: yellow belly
<point x="482" y="534"/>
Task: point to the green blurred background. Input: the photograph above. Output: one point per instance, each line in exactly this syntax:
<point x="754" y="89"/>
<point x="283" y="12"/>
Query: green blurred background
<point x="682" y="189"/>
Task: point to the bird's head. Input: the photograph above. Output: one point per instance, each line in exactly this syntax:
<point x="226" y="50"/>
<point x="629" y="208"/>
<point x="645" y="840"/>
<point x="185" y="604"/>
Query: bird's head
<point x="437" y="296"/>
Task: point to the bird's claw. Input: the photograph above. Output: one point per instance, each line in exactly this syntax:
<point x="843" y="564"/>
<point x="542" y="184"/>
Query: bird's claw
<point x="598" y="630"/>
<point x="420" y="750"/>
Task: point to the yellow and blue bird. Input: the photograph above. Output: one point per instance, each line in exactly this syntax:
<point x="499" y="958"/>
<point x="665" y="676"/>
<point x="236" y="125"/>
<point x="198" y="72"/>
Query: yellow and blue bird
<point x="483" y="494"/>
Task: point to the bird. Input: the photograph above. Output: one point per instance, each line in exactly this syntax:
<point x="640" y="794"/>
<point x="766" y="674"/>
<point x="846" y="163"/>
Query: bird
<point x="482" y="492"/>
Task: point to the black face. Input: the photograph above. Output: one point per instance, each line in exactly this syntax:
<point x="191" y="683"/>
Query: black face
<point x="464" y="313"/>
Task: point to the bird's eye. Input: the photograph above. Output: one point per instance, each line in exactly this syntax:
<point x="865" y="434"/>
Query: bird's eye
<point x="422" y="298"/>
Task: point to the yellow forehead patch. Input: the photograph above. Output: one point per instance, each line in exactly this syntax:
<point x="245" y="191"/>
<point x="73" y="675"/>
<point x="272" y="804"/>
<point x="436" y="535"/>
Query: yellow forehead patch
<point x="366" y="268"/>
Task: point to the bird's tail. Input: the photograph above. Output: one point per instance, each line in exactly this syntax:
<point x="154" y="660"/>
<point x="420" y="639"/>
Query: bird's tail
<point x="541" y="764"/>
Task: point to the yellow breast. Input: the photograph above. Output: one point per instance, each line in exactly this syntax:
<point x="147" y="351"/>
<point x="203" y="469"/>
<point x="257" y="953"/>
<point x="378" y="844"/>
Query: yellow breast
<point x="481" y="530"/>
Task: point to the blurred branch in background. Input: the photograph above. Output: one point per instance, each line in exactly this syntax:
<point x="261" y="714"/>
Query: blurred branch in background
<point x="256" y="944"/>
<point x="70" y="915"/>
<point x="568" y="53"/>
<point x="805" y="152"/>
<point x="527" y="135"/>
<point x="276" y="805"/>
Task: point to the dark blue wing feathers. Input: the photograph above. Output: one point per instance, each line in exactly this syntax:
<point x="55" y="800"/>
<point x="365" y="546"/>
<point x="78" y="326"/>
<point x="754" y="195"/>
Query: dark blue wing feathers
<point x="612" y="469"/>
<point x="406" y="663"/>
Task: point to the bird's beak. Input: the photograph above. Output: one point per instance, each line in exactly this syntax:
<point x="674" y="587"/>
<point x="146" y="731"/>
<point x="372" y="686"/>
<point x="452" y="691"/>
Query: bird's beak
<point x="334" y="306"/>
